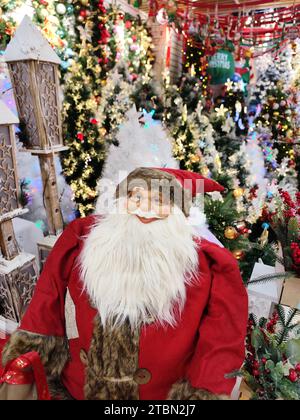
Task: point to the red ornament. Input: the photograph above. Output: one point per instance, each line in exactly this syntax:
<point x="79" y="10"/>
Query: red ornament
<point x="80" y="136"/>
<point x="293" y="377"/>
<point x="128" y="24"/>
<point x="93" y="121"/>
<point x="83" y="13"/>
<point x="297" y="368"/>
<point x="255" y="364"/>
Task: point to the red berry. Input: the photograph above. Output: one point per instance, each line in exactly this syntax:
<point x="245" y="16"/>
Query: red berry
<point x="255" y="364"/>
<point x="293" y="377"/>
<point x="264" y="360"/>
<point x="297" y="368"/>
<point x="255" y="372"/>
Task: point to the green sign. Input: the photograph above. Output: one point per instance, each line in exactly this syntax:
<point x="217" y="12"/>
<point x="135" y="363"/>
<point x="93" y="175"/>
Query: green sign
<point x="221" y="67"/>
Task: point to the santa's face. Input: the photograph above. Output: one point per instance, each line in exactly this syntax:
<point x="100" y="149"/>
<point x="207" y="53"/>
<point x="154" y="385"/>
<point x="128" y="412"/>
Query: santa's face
<point x="147" y="206"/>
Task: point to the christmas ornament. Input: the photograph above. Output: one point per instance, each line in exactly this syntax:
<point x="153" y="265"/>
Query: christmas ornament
<point x="240" y="226"/>
<point x="61" y="9"/>
<point x="230" y="233"/>
<point x="83" y="13"/>
<point x="264" y="239"/>
<point x="293" y="377"/>
<point x="221" y="112"/>
<point x="238" y="254"/>
<point x="238" y="192"/>
<point x="84" y="2"/>
<point x="195" y="159"/>
<point x="102" y="131"/>
<point x="229" y="84"/>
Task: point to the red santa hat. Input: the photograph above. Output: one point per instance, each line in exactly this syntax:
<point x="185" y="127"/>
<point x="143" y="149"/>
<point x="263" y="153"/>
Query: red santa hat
<point x="196" y="183"/>
<point x="185" y="184"/>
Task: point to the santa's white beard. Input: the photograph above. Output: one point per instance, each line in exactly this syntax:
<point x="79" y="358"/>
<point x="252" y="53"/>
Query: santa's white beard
<point x="139" y="272"/>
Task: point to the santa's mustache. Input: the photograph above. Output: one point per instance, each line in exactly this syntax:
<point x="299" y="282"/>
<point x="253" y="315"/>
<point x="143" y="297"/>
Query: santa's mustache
<point x="146" y="215"/>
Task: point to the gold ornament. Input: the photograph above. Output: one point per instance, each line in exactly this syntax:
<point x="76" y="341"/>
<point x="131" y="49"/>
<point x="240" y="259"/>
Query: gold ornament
<point x="238" y="192"/>
<point x="102" y="131"/>
<point x="238" y="254"/>
<point x="230" y="233"/>
<point x="264" y="239"/>
<point x="276" y="114"/>
<point x="195" y="159"/>
<point x="84" y="2"/>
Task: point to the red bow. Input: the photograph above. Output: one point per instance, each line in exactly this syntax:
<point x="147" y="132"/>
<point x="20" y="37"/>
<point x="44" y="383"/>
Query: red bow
<point x="27" y="369"/>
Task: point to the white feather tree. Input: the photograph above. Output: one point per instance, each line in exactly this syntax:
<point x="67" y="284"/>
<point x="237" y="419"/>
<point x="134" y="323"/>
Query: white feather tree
<point x="142" y="142"/>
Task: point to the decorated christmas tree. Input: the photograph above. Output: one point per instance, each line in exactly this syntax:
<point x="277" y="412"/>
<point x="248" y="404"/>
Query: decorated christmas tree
<point x="230" y="111"/>
<point x="82" y="163"/>
<point x="190" y="128"/>
<point x="277" y="115"/>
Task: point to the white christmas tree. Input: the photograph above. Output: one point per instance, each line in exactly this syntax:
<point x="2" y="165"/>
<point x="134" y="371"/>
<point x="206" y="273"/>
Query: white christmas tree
<point x="142" y="142"/>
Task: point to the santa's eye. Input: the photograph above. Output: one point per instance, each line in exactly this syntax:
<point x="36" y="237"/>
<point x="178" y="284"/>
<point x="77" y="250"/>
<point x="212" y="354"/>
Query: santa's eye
<point x="136" y="197"/>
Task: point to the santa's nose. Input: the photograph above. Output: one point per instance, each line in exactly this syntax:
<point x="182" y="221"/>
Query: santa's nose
<point x="143" y="204"/>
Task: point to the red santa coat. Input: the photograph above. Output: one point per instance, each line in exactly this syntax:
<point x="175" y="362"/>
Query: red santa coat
<point x="207" y="343"/>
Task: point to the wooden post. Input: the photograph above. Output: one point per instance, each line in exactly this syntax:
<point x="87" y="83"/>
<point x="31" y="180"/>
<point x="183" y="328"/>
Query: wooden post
<point x="51" y="197"/>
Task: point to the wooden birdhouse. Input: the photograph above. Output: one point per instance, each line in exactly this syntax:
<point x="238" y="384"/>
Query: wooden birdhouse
<point x="33" y="67"/>
<point x="18" y="270"/>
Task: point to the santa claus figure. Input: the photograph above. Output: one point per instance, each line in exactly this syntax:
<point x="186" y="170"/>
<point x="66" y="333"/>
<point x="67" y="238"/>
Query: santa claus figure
<point x="158" y="313"/>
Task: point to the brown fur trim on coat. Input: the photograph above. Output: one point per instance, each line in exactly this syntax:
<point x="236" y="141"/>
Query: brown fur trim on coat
<point x="113" y="355"/>
<point x="57" y="390"/>
<point x="183" y="390"/>
<point x="53" y="351"/>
